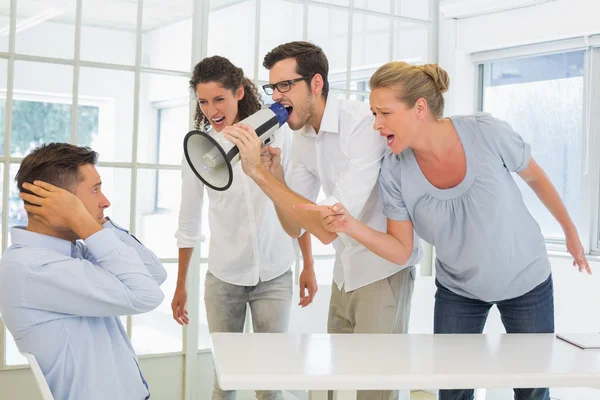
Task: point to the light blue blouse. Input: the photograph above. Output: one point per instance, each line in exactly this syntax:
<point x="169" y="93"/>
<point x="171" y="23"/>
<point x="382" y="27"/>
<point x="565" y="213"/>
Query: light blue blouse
<point x="488" y="245"/>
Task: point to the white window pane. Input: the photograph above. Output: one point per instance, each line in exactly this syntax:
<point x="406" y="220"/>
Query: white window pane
<point x="542" y="99"/>
<point x="328" y="28"/>
<point x="41" y="107"/>
<point x="156" y="93"/>
<point x="324" y="271"/>
<point x="108" y="31"/>
<point x="337" y="81"/>
<point x="3" y="77"/>
<point x="411" y="42"/>
<point x="157" y="332"/>
<point x="157" y="207"/>
<point x="105" y="112"/>
<point x="116" y="186"/>
<point x="338" y="94"/>
<point x="16" y="213"/>
<point x="267" y="99"/>
<point x="277" y="28"/>
<point x="345" y="3"/>
<point x="46" y="28"/>
<point x="203" y="334"/>
<point x="379" y="5"/>
<point x="370" y="48"/>
<point x="231" y="33"/>
<point x="11" y="352"/>
<point x="418" y="9"/>
<point x="360" y="97"/>
<point x="167" y="37"/>
<point x="174" y="123"/>
<point x="4" y="22"/>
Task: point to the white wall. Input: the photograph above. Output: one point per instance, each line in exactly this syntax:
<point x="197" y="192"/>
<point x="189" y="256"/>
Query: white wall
<point x="555" y="20"/>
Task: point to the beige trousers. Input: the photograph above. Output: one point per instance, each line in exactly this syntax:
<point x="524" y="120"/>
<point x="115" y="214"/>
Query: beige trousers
<point x="380" y="307"/>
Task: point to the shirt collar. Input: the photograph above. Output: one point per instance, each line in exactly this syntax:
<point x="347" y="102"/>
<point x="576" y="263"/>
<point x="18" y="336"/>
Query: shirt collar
<point x="329" y="122"/>
<point x="22" y="237"/>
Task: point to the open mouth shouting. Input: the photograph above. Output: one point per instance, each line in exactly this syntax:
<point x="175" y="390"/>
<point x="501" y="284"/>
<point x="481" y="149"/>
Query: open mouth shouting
<point x="390" y="139"/>
<point x="218" y="121"/>
<point x="289" y="109"/>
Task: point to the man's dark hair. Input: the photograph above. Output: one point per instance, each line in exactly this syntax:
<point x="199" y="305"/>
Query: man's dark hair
<point x="310" y="60"/>
<point x="55" y="163"/>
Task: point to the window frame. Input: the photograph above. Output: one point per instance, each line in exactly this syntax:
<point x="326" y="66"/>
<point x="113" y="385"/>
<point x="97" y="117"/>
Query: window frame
<point x="160" y="107"/>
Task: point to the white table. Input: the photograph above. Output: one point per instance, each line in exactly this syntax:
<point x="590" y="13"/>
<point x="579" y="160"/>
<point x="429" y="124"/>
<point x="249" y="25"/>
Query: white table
<point x="320" y="362"/>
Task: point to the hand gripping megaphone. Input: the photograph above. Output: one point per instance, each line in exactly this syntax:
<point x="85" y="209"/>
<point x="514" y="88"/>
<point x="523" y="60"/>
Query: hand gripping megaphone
<point x="212" y="157"/>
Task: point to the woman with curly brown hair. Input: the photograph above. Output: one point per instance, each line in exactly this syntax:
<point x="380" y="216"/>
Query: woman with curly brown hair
<point x="250" y="255"/>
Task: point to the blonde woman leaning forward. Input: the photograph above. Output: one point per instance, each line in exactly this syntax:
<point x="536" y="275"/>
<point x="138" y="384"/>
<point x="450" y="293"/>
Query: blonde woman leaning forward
<point x="451" y="179"/>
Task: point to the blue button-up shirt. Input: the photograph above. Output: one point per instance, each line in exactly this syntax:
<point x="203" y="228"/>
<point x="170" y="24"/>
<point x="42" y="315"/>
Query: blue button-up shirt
<point x="62" y="300"/>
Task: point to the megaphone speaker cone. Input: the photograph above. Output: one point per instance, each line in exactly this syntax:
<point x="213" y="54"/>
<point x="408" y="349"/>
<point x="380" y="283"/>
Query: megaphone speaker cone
<point x="208" y="159"/>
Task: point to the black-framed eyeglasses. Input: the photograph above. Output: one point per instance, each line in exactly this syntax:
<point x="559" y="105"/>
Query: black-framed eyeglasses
<point x="283" y="86"/>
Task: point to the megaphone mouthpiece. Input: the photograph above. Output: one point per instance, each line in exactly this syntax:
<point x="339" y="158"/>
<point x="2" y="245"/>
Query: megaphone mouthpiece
<point x="280" y="112"/>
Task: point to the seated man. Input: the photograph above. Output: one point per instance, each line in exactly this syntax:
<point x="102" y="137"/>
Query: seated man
<point x="61" y="298"/>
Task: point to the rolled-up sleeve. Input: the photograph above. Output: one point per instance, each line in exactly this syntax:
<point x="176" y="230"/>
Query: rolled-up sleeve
<point x="188" y="233"/>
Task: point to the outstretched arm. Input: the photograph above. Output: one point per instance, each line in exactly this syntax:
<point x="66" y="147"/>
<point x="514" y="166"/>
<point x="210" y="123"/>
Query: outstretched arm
<point x="537" y="179"/>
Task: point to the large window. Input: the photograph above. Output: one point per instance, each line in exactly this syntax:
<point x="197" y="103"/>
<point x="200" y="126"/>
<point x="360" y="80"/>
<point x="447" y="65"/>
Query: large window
<point x="542" y="98"/>
<point x="36" y="121"/>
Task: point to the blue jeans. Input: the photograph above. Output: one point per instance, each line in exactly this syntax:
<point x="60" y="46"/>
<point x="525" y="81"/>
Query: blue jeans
<point x="532" y="312"/>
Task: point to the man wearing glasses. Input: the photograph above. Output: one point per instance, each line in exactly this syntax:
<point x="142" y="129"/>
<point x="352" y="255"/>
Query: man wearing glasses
<point x="336" y="149"/>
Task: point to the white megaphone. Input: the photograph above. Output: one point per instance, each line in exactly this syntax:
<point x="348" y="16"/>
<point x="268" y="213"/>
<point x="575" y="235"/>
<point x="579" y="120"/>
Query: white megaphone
<point x="212" y="157"/>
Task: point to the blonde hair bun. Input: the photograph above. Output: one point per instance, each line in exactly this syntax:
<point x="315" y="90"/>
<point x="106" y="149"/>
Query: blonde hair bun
<point x="412" y="82"/>
<point x="439" y="75"/>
